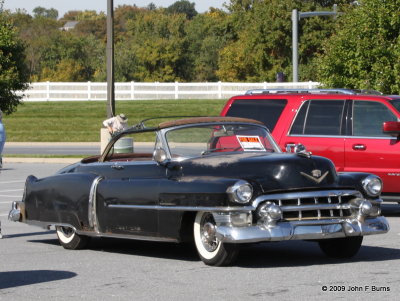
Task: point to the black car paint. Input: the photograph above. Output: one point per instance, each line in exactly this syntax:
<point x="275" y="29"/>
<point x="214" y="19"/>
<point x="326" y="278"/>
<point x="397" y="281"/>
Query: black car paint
<point x="63" y="198"/>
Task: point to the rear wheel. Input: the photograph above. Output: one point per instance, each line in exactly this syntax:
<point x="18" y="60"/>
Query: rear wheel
<point x="69" y="239"/>
<point x="341" y="247"/>
<point x="210" y="249"/>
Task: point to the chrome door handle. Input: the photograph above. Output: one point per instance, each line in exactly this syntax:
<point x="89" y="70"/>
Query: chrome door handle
<point x="117" y="167"/>
<point x="359" y="147"/>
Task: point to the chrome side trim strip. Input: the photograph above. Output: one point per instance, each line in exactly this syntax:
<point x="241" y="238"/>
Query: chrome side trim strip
<point x="128" y="236"/>
<point x="183" y="208"/>
<point x="92" y="210"/>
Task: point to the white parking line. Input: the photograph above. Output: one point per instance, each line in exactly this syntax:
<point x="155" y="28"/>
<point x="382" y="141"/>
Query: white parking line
<point x="11" y="190"/>
<point x="10" y="196"/>
<point x="9" y="182"/>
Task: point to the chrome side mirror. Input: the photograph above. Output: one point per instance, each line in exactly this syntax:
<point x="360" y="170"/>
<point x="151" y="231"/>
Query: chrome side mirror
<point x="298" y="149"/>
<point x="301" y="150"/>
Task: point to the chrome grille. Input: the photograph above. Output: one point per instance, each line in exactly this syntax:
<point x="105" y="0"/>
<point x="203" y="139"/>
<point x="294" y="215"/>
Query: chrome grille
<point x="313" y="205"/>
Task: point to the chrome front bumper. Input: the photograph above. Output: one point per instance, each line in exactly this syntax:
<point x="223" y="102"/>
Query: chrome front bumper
<point x="303" y="230"/>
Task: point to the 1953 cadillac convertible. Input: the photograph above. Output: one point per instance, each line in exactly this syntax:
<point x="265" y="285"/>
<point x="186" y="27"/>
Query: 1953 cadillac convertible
<point x="217" y="181"/>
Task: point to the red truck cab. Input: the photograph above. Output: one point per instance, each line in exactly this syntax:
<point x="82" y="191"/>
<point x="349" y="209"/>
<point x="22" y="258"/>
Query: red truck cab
<point x="358" y="132"/>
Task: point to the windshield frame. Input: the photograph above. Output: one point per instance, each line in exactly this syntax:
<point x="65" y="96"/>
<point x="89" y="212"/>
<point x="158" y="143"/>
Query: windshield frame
<point x="166" y="131"/>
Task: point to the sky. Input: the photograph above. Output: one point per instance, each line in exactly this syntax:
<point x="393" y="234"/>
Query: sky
<point x="64" y="6"/>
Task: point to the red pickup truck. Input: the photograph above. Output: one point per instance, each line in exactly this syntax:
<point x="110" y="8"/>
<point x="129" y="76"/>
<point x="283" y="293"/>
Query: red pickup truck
<point x="358" y="132"/>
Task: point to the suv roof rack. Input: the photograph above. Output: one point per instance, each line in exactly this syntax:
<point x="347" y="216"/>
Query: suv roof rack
<point x="312" y="91"/>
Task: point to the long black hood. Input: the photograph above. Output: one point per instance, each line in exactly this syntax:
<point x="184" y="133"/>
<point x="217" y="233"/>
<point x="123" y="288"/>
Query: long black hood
<point x="271" y="171"/>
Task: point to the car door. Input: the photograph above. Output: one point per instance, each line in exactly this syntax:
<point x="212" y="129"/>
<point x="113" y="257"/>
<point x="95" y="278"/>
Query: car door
<point x="368" y="149"/>
<point x="127" y="192"/>
<point x="320" y="126"/>
<point x="127" y="205"/>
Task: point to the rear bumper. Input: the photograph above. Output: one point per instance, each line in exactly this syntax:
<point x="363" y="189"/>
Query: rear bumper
<point x="303" y="230"/>
<point x="16" y="212"/>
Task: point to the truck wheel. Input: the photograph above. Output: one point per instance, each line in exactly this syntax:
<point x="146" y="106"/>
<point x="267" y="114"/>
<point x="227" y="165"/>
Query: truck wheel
<point x="210" y="249"/>
<point x="341" y="247"/>
<point x="69" y="239"/>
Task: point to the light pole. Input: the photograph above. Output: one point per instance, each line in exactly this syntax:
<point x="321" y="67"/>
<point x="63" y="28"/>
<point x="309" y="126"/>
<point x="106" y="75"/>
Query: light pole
<point x="296" y="16"/>
<point x="110" y="59"/>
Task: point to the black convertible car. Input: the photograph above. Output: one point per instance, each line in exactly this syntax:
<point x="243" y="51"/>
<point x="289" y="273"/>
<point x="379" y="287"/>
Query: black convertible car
<point x="217" y="181"/>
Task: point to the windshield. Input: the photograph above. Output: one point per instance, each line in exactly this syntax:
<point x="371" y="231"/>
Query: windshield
<point x="201" y="140"/>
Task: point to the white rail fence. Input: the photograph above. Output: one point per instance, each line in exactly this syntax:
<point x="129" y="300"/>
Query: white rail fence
<point x="72" y="91"/>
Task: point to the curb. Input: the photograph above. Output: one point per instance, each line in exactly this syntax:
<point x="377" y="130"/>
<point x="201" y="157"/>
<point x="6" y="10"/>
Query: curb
<point x="40" y="160"/>
<point x="52" y="143"/>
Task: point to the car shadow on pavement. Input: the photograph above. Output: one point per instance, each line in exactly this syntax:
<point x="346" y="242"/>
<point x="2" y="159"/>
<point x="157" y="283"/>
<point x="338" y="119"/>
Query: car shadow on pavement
<point x="184" y="251"/>
<point x="278" y="254"/>
<point x="166" y="250"/>
<point x="28" y="234"/>
<point x="304" y="253"/>
<point x="5" y="169"/>
<point x="12" y="279"/>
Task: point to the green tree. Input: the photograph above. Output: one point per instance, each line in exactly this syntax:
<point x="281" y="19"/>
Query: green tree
<point x="158" y="42"/>
<point x="183" y="7"/>
<point x="151" y="6"/>
<point x="365" y="51"/>
<point x="38" y="35"/>
<point x="41" y="12"/>
<point x="13" y="74"/>
<point x="262" y="44"/>
<point x="71" y="15"/>
<point x="90" y="15"/>
<point x="83" y="54"/>
<point x="206" y="33"/>
<point x="96" y="27"/>
<point x="237" y="6"/>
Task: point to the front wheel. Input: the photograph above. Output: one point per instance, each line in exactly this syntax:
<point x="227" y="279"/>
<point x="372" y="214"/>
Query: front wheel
<point x="341" y="247"/>
<point x="69" y="239"/>
<point x="210" y="249"/>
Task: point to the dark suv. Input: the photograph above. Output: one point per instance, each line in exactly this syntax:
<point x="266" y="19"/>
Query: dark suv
<point x="358" y="132"/>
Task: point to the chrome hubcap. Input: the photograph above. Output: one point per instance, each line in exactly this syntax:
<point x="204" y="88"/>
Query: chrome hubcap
<point x="207" y="232"/>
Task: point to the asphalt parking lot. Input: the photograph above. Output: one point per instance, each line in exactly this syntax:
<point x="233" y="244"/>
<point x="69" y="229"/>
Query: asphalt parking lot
<point x="34" y="266"/>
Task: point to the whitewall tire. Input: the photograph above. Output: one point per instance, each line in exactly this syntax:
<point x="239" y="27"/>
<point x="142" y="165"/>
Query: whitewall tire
<point x="69" y="239"/>
<point x="210" y="249"/>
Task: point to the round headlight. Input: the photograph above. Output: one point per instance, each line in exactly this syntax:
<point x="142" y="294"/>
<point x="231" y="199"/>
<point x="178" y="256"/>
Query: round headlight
<point x="372" y="185"/>
<point x="241" y="192"/>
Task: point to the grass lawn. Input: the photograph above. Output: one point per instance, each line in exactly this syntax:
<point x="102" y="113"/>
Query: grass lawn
<point x="81" y="121"/>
